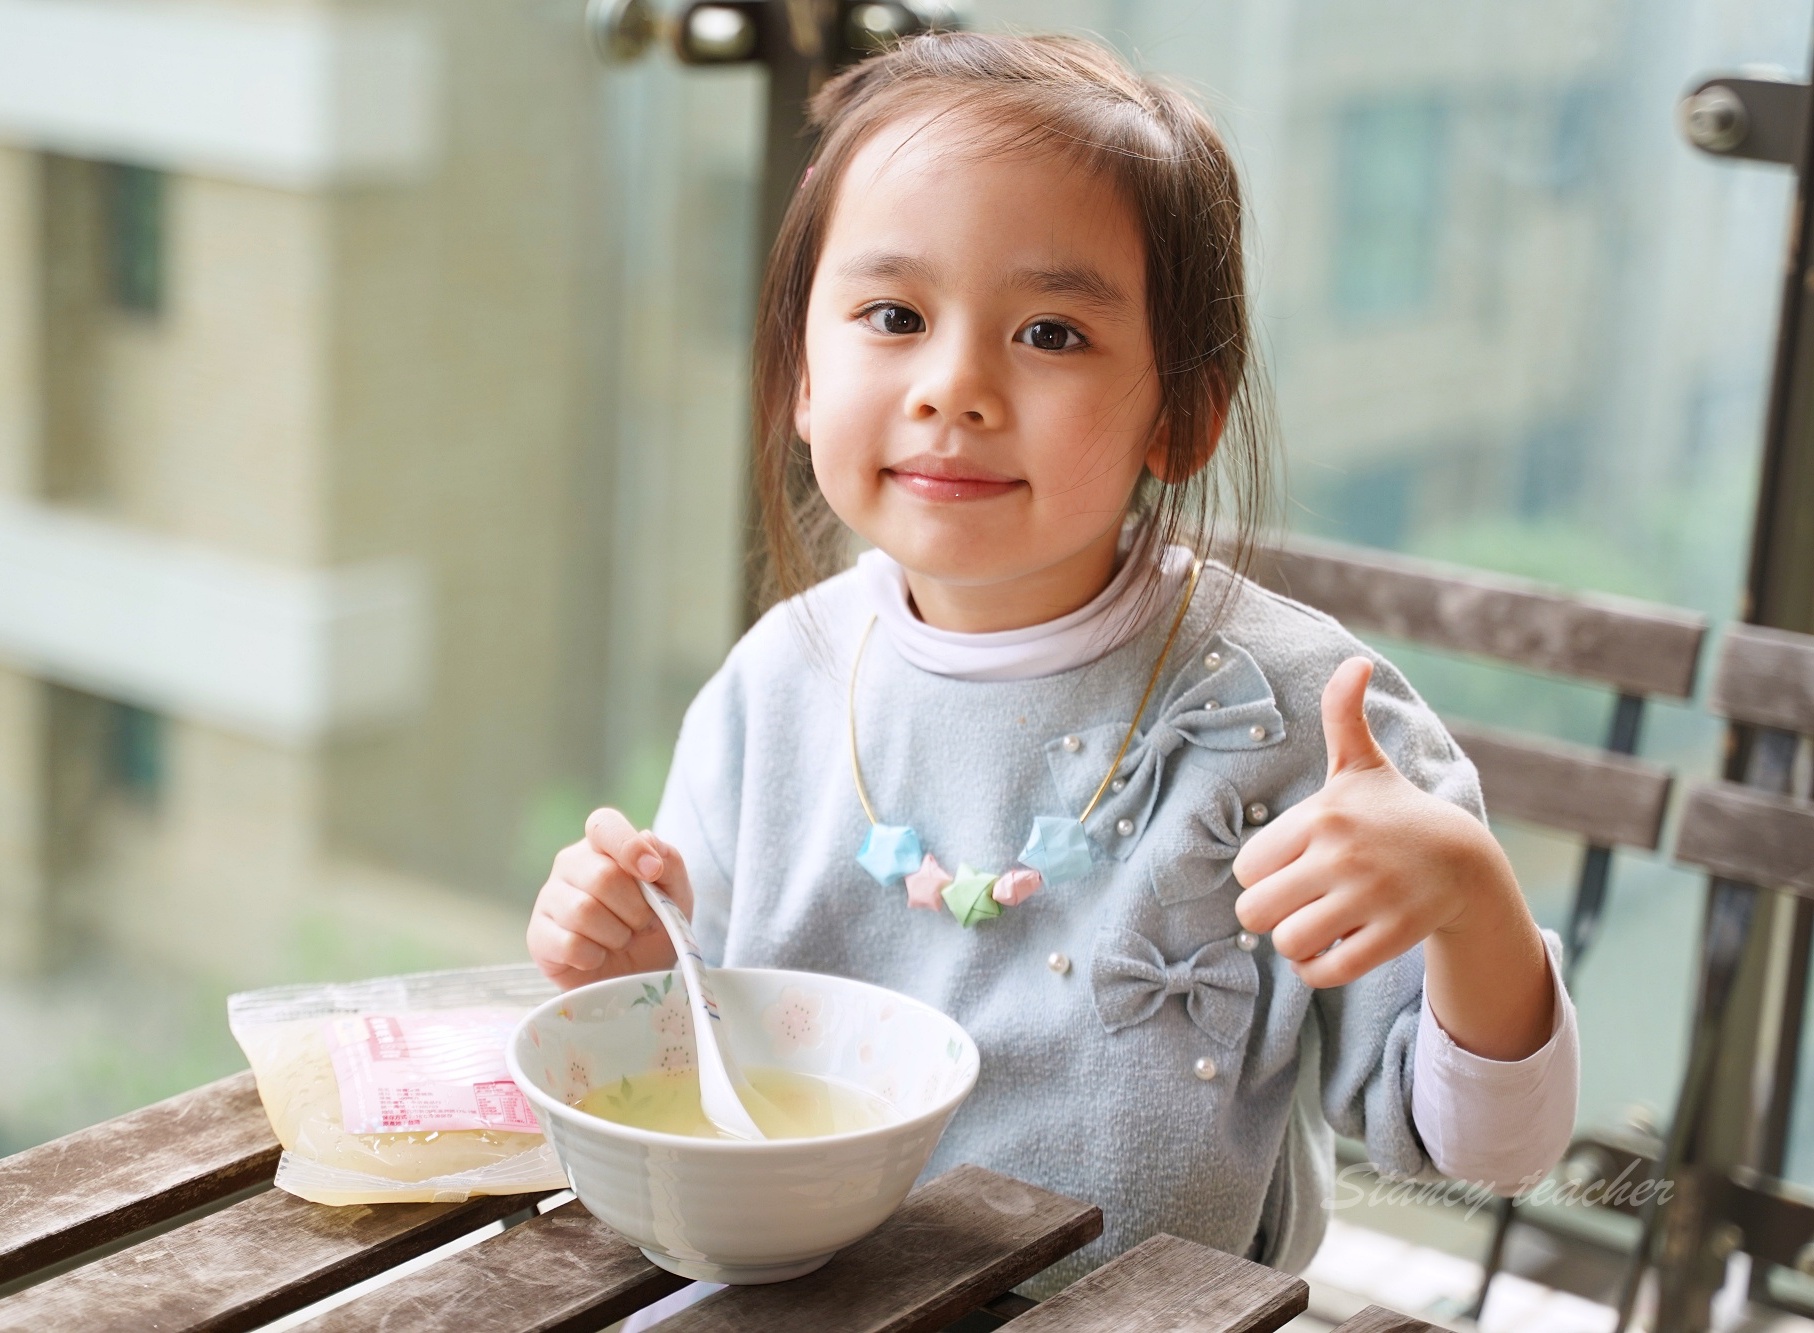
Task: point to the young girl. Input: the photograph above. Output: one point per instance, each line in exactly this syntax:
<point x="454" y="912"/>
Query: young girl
<point x="1034" y="760"/>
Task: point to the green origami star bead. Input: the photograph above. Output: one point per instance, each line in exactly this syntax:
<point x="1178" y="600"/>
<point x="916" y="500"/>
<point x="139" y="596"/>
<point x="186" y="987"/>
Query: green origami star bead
<point x="968" y="896"/>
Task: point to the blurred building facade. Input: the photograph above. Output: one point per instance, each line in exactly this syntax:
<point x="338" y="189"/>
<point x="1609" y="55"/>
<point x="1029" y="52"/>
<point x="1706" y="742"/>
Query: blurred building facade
<point x="299" y="610"/>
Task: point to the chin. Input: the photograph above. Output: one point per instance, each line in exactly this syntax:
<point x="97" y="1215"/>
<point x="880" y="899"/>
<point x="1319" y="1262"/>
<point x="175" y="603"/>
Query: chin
<point x="978" y="559"/>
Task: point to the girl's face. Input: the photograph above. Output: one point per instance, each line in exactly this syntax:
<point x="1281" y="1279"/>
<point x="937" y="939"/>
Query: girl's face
<point x="979" y="394"/>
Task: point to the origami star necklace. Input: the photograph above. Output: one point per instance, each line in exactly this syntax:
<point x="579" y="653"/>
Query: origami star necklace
<point x="1057" y="848"/>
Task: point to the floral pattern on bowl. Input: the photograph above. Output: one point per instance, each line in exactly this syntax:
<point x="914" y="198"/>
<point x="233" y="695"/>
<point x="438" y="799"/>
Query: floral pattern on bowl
<point x="792" y="1021"/>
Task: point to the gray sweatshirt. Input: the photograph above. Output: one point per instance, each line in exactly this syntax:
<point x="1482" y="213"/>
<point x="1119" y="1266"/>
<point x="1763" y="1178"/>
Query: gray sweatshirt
<point x="1093" y="1078"/>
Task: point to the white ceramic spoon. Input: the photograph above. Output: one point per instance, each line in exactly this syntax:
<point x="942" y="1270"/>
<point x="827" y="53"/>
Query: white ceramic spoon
<point x="720" y="1081"/>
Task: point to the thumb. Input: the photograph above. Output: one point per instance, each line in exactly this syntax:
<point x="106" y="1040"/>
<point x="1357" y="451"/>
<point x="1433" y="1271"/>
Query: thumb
<point x="1345" y="732"/>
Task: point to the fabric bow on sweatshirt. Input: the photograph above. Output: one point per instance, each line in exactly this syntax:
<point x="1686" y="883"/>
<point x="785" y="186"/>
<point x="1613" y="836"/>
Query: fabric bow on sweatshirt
<point x="1225" y="707"/>
<point x="1131" y="981"/>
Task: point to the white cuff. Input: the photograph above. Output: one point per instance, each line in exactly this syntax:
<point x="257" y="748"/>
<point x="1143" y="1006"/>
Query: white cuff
<point x="1498" y="1123"/>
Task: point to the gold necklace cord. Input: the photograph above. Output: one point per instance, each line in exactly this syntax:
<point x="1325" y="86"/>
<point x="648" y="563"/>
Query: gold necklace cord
<point x="856" y="769"/>
<point x="1190" y="590"/>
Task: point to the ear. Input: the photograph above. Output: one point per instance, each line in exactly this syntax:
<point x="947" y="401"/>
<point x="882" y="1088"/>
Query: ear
<point x="1159" y="460"/>
<point x="803" y="409"/>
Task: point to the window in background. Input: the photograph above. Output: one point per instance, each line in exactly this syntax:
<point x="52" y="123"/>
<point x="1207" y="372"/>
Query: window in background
<point x="1581" y="114"/>
<point x="1390" y="172"/>
<point x="135" y="751"/>
<point x="1551" y="467"/>
<point x="1374" y="505"/>
<point x="135" y="237"/>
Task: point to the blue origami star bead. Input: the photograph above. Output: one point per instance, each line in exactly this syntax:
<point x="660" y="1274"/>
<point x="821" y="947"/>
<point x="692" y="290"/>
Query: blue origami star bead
<point x="891" y="852"/>
<point x="1058" y="849"/>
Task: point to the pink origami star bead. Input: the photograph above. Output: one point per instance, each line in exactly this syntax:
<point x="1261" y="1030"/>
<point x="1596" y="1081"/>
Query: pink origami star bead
<point x="1018" y="885"/>
<point x="925" y="884"/>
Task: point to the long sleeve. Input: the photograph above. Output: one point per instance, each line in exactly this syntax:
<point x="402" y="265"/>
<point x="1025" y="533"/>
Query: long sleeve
<point x="1498" y="1123"/>
<point x="1369" y="1051"/>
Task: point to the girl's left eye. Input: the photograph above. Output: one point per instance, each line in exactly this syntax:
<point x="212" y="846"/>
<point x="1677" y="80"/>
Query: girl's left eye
<point x="1050" y="336"/>
<point x="896" y="319"/>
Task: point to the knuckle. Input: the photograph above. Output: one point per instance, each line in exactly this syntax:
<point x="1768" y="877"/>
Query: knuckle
<point x="621" y="894"/>
<point x="603" y="877"/>
<point x="605" y="927"/>
<point x="1329" y="971"/>
<point x="571" y="950"/>
<point x="1288" y="942"/>
<point x="1335" y="822"/>
<point x="1257" y="911"/>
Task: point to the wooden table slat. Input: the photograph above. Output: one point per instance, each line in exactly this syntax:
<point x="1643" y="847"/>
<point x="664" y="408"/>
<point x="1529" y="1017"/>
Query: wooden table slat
<point x="1378" y="1319"/>
<point x="563" y="1272"/>
<point x="956" y="1243"/>
<point x="153" y="1164"/>
<point x="1165" y="1284"/>
<point x="244" y="1265"/>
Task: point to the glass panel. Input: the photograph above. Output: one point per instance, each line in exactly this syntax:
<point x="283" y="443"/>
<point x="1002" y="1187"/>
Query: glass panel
<point x="685" y="154"/>
<point x="1515" y="323"/>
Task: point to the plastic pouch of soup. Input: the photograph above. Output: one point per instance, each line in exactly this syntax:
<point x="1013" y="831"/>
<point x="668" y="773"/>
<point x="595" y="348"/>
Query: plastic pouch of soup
<point x="394" y="1090"/>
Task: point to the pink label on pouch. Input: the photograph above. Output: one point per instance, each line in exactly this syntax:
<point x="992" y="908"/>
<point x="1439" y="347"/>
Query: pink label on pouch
<point x="400" y="1073"/>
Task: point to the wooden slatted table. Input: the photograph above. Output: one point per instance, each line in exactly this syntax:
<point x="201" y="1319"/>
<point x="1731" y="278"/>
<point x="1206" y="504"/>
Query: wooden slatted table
<point x="164" y="1219"/>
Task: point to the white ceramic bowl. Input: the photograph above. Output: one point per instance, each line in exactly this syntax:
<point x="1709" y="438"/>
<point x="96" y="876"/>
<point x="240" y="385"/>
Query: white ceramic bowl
<point x="726" y="1211"/>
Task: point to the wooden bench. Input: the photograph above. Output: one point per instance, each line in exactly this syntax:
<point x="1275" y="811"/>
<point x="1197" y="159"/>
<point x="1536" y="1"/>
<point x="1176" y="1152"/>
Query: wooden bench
<point x="164" y="1219"/>
<point x="1606" y="797"/>
<point x="1755" y="838"/>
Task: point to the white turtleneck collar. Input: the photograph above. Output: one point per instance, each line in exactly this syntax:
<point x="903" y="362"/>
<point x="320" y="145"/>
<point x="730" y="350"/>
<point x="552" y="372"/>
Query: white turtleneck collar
<point x="1110" y="619"/>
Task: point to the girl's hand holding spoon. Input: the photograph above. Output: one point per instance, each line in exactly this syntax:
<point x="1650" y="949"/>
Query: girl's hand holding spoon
<point x="591" y="920"/>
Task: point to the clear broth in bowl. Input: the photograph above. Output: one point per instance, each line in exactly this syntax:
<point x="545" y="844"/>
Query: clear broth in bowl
<point x="787" y="1105"/>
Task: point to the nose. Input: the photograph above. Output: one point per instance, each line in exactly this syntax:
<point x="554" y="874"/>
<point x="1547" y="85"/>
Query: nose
<point x="958" y="380"/>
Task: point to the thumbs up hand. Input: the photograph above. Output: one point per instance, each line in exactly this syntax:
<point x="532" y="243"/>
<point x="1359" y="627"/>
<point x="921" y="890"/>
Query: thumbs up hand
<point x="1372" y="865"/>
<point x="1369" y="866"/>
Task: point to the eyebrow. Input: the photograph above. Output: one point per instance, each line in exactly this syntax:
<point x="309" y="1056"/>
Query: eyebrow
<point x="887" y="266"/>
<point x="1079" y="282"/>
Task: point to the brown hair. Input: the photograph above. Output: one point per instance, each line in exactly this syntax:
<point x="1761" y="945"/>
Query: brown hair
<point x="1164" y="154"/>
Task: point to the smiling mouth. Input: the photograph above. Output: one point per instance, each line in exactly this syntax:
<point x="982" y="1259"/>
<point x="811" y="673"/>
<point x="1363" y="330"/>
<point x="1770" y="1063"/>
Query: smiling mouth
<point x="945" y="480"/>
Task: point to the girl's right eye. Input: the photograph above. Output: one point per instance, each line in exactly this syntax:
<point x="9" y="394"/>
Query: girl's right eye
<point x="895" y="319"/>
